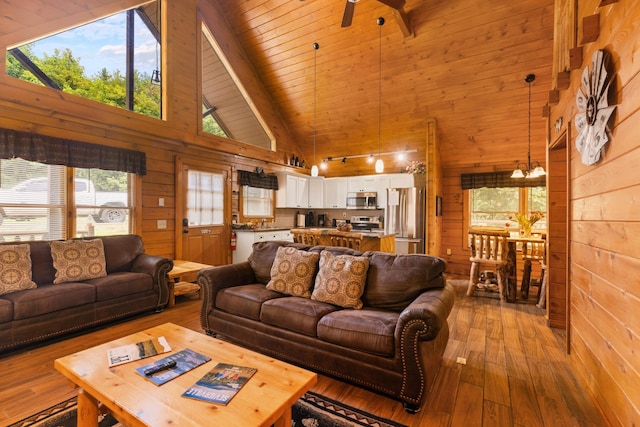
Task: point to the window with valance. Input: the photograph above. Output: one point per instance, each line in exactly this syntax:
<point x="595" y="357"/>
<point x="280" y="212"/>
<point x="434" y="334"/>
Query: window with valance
<point x="60" y="151"/>
<point x="36" y="185"/>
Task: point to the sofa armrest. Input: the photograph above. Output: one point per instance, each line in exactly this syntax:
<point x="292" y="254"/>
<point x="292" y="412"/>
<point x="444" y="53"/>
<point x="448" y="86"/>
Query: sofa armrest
<point x="426" y="314"/>
<point x="214" y="279"/>
<point x="421" y="336"/>
<point x="158" y="268"/>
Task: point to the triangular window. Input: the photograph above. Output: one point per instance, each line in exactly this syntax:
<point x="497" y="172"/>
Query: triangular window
<point x="227" y="109"/>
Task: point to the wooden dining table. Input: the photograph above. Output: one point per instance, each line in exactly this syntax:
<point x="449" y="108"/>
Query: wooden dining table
<point x="515" y="244"/>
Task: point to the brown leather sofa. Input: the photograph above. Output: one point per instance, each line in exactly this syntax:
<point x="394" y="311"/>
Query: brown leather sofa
<point x="393" y="345"/>
<point x="135" y="282"/>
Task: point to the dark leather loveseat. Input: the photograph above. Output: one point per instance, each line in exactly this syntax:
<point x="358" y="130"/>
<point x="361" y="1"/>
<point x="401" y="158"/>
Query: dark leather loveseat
<point x="393" y="345"/>
<point x="135" y="282"/>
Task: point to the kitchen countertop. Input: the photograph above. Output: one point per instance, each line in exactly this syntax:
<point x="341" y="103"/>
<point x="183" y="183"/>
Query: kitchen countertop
<point x="243" y="230"/>
<point x="303" y="228"/>
<point x="333" y="230"/>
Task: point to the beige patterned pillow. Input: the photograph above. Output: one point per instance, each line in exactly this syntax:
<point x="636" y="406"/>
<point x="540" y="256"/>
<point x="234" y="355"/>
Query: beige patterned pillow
<point x="76" y="260"/>
<point x="341" y="280"/>
<point x="292" y="272"/>
<point x="15" y="268"/>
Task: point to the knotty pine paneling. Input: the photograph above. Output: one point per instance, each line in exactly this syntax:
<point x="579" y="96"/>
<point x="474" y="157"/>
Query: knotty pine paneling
<point x="604" y="264"/>
<point x="470" y="74"/>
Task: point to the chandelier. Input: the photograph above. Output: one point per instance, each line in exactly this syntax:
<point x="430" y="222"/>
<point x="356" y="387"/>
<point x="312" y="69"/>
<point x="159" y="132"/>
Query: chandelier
<point x="528" y="170"/>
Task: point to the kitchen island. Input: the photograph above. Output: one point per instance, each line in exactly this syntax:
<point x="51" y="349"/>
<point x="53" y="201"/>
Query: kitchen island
<point x="362" y="241"/>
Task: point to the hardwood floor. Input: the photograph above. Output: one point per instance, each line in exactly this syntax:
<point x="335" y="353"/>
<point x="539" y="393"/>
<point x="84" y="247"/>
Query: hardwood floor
<point x="516" y="371"/>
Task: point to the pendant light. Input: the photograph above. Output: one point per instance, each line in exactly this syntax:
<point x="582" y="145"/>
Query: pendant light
<point x="529" y="172"/>
<point x="314" y="168"/>
<point x="379" y="162"/>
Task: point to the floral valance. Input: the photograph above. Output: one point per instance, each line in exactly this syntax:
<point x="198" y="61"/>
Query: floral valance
<point x="60" y="151"/>
<point x="258" y="180"/>
<point x="498" y="180"/>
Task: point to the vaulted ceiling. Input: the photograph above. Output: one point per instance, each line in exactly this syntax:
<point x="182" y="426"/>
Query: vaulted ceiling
<point x="464" y="66"/>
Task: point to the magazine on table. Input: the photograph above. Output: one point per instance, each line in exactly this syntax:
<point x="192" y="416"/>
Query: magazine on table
<point x="140" y="350"/>
<point x="221" y="383"/>
<point x="170" y="367"/>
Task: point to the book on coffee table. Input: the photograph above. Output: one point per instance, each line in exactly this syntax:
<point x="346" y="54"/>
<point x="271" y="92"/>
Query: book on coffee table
<point x="140" y="350"/>
<point x="172" y="366"/>
<point x="221" y="383"/>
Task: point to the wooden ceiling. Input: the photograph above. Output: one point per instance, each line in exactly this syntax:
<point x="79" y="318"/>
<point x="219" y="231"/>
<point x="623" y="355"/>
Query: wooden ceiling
<point x="464" y="66"/>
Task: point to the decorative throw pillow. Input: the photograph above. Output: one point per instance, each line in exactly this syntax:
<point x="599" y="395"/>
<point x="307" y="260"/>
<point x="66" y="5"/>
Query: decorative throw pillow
<point x="15" y="268"/>
<point x="341" y="279"/>
<point x="292" y="272"/>
<point x="76" y="260"/>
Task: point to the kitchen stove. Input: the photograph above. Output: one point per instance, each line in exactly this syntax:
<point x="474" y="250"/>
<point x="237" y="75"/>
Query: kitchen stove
<point x="365" y="223"/>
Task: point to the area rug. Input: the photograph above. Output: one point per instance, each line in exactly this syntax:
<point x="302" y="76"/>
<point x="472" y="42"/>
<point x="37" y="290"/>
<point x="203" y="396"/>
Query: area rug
<point x="312" y="410"/>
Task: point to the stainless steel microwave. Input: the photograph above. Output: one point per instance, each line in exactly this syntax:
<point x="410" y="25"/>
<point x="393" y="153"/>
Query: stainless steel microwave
<point x="362" y="200"/>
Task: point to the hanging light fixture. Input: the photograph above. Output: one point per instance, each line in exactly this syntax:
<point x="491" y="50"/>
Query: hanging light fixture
<point x="314" y="168"/>
<point x="379" y="162"/>
<point x="538" y="170"/>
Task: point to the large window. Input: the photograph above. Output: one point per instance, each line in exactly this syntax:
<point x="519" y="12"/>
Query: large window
<point x="497" y="207"/>
<point x="34" y="201"/>
<point x="114" y="60"/>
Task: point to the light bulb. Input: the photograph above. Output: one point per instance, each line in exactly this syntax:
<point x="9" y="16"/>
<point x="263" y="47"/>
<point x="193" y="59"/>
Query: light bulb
<point x="314" y="170"/>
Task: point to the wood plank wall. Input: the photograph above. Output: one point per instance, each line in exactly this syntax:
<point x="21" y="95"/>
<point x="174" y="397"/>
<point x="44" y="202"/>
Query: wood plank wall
<point x="31" y="108"/>
<point x="605" y="263"/>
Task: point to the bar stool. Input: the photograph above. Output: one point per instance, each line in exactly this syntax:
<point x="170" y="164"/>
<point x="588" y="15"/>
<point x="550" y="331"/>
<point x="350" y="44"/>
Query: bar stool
<point x="307" y="237"/>
<point x="353" y="241"/>
<point x="488" y="246"/>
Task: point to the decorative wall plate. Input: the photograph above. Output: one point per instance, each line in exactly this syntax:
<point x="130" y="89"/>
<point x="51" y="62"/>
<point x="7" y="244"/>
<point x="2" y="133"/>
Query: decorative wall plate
<point x="595" y="112"/>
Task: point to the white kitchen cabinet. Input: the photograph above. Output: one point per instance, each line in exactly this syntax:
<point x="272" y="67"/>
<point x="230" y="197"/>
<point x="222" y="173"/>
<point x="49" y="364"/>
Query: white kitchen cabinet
<point x="362" y="183"/>
<point x="293" y="191"/>
<point x="246" y="239"/>
<point x="335" y="193"/>
<point x="384" y="183"/>
<point x="316" y="193"/>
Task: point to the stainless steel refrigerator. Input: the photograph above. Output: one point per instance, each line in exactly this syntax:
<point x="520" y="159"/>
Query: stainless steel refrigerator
<point x="404" y="216"/>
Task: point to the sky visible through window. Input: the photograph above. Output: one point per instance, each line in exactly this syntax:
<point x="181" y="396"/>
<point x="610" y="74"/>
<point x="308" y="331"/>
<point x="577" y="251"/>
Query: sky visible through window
<point x="102" y="44"/>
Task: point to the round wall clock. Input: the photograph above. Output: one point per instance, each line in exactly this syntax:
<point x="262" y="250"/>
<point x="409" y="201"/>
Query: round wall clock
<point x="595" y="112"/>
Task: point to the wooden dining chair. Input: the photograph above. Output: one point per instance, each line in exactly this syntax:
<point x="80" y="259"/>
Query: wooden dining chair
<point x="533" y="250"/>
<point x="488" y="247"/>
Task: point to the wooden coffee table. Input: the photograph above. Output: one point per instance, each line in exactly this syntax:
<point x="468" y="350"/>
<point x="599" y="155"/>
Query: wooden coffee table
<point x="263" y="401"/>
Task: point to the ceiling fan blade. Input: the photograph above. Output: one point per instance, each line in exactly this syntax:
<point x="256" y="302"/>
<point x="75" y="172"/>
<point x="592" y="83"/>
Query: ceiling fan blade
<point x="347" y="17"/>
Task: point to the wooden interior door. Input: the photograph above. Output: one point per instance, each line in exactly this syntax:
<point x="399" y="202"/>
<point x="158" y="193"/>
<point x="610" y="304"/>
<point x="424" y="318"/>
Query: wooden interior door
<point x="204" y="214"/>
<point x="558" y="254"/>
